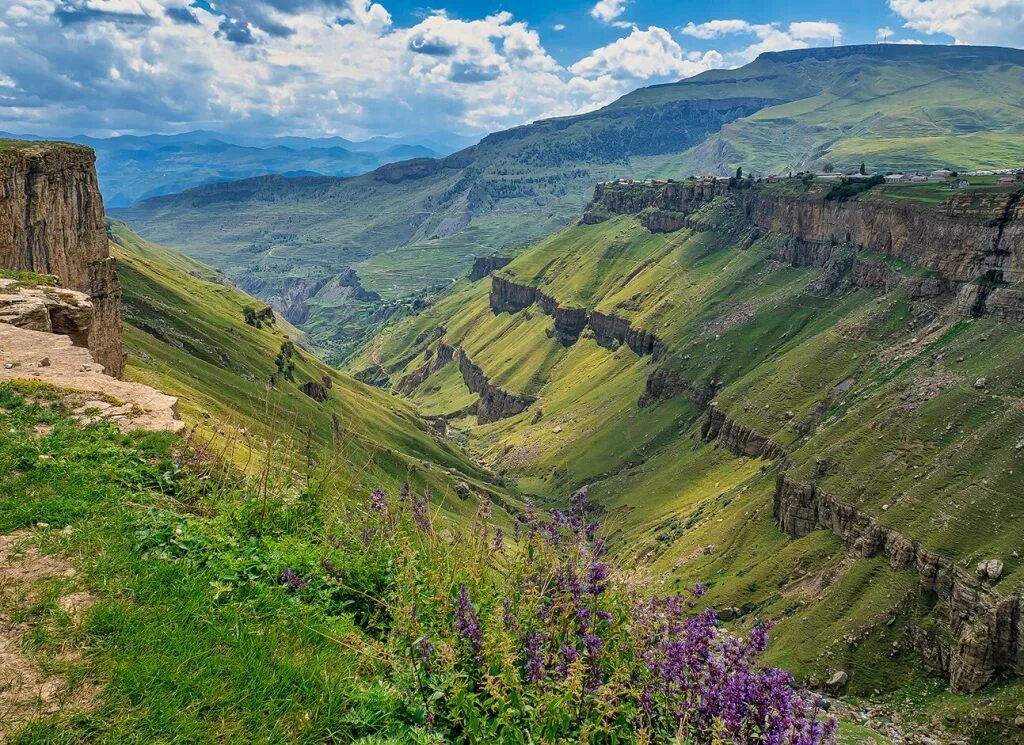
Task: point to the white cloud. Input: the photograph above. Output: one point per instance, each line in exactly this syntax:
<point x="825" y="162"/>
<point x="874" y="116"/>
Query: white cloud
<point x="641" y="55"/>
<point x="815" y="30"/>
<point x="301" y="67"/>
<point x="771" y="37"/>
<point x="999" y="22"/>
<point x="559" y="27"/>
<point x="885" y="35"/>
<point x="607" y="11"/>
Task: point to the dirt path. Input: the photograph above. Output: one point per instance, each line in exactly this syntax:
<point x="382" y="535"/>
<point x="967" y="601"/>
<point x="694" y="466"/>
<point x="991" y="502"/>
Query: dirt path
<point x="27" y="691"/>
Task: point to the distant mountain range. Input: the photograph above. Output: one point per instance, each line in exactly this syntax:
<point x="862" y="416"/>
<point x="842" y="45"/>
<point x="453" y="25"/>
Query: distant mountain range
<point x="416" y="224"/>
<point x="133" y="167"/>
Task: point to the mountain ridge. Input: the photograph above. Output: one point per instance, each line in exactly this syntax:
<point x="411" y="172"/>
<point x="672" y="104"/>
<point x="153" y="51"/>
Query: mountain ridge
<point x="411" y="227"/>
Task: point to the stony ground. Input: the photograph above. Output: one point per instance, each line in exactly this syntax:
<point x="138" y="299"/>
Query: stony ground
<point x="53" y="360"/>
<point x="28" y="688"/>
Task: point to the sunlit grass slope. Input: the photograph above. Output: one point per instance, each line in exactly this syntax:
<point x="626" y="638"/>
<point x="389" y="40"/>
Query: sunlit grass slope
<point x="186" y="335"/>
<point x="880" y="388"/>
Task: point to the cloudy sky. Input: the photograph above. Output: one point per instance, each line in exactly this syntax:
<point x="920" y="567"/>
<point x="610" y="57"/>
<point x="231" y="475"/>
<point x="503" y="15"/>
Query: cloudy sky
<point x="359" y="67"/>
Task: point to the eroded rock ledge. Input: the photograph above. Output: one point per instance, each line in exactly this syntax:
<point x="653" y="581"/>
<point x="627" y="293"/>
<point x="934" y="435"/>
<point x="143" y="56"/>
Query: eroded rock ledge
<point x="436" y="357"/>
<point x="737" y="438"/>
<point x="495" y="403"/>
<point x="609" y="330"/>
<point x="511" y="297"/>
<point x="51" y="222"/>
<point x="987" y="629"/>
<point x="484" y="265"/>
<point x="970" y="239"/>
<point x="40" y="356"/>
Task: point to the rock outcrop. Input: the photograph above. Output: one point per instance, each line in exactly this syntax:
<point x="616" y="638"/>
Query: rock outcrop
<point x="611" y="330"/>
<point x="986" y="629"/>
<point x="738" y="438"/>
<point x="664" y="383"/>
<point x="511" y="297"/>
<point x="881" y="275"/>
<point x="52" y="310"/>
<point x="495" y="403"/>
<point x="970" y="237"/>
<point x="436" y="357"/>
<point x="40" y="356"/>
<point x="51" y="222"/>
<point x="484" y="265"/>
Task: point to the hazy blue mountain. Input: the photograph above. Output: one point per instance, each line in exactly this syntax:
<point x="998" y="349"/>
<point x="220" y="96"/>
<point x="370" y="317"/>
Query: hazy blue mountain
<point x="133" y="167"/>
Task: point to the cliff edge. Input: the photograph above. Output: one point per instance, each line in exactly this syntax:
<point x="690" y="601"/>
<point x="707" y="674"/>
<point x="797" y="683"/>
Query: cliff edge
<point x="51" y="222"/>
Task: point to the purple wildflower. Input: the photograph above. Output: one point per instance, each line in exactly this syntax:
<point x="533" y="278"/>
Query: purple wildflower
<point x="425" y="647"/>
<point x="420" y="512"/>
<point x="379" y="501"/>
<point x="467" y="623"/>
<point x="534" y="649"/>
<point x="292" y="581"/>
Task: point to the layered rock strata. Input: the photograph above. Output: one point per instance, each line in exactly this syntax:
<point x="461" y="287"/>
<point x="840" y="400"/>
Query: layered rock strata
<point x="609" y="330"/>
<point x="969" y="237"/>
<point x="484" y="265"/>
<point x="40" y="356"/>
<point x="436" y="357"/>
<point x="51" y="222"/>
<point x="737" y="438"/>
<point x="495" y="402"/>
<point x="987" y="629"/>
<point x="512" y="297"/>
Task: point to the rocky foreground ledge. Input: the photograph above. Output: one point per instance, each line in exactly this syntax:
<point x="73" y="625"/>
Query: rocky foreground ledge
<point x="44" y="337"/>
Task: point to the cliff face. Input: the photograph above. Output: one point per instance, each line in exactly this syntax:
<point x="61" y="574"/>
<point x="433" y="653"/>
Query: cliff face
<point x="969" y="237"/>
<point x="987" y="629"/>
<point x="484" y="265"/>
<point x="48" y="309"/>
<point x="495" y="403"/>
<point x="51" y="222"/>
<point x="611" y="329"/>
<point x="511" y="297"/>
<point x="738" y="438"/>
<point x="436" y="357"/>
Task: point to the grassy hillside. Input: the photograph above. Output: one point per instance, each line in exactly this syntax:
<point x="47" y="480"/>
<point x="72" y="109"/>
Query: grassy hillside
<point x="874" y="396"/>
<point x="416" y="225"/>
<point x="186" y="335"/>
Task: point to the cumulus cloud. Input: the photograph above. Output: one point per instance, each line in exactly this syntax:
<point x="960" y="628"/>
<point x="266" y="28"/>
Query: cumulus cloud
<point x="999" y="22"/>
<point x="306" y="67"/>
<point x="607" y="11"/>
<point x="770" y="37"/>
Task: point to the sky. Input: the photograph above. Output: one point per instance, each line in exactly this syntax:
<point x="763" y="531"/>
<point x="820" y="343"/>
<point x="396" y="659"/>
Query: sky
<point x="359" y="68"/>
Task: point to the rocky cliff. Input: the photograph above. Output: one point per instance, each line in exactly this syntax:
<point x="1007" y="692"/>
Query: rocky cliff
<point x="512" y="297"/>
<point x="986" y="629"/>
<point x="484" y="265"/>
<point x="44" y="335"/>
<point x="51" y="222"/>
<point x="736" y="437"/>
<point x="436" y="357"/>
<point x="970" y="237"/>
<point x="611" y="330"/>
<point x="495" y="403"/>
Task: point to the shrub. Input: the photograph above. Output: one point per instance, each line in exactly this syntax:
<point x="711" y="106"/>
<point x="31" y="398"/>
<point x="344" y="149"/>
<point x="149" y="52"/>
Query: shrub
<point x="540" y="641"/>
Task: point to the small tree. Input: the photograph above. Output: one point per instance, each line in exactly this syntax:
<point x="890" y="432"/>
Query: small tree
<point x="863" y="170"/>
<point x="739" y="172"/>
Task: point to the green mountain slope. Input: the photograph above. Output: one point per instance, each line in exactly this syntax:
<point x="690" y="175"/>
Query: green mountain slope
<point x="186" y="335"/>
<point x="417" y="224"/>
<point x="824" y="433"/>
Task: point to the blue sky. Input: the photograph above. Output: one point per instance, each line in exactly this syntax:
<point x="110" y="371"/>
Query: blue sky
<point x="357" y="68"/>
